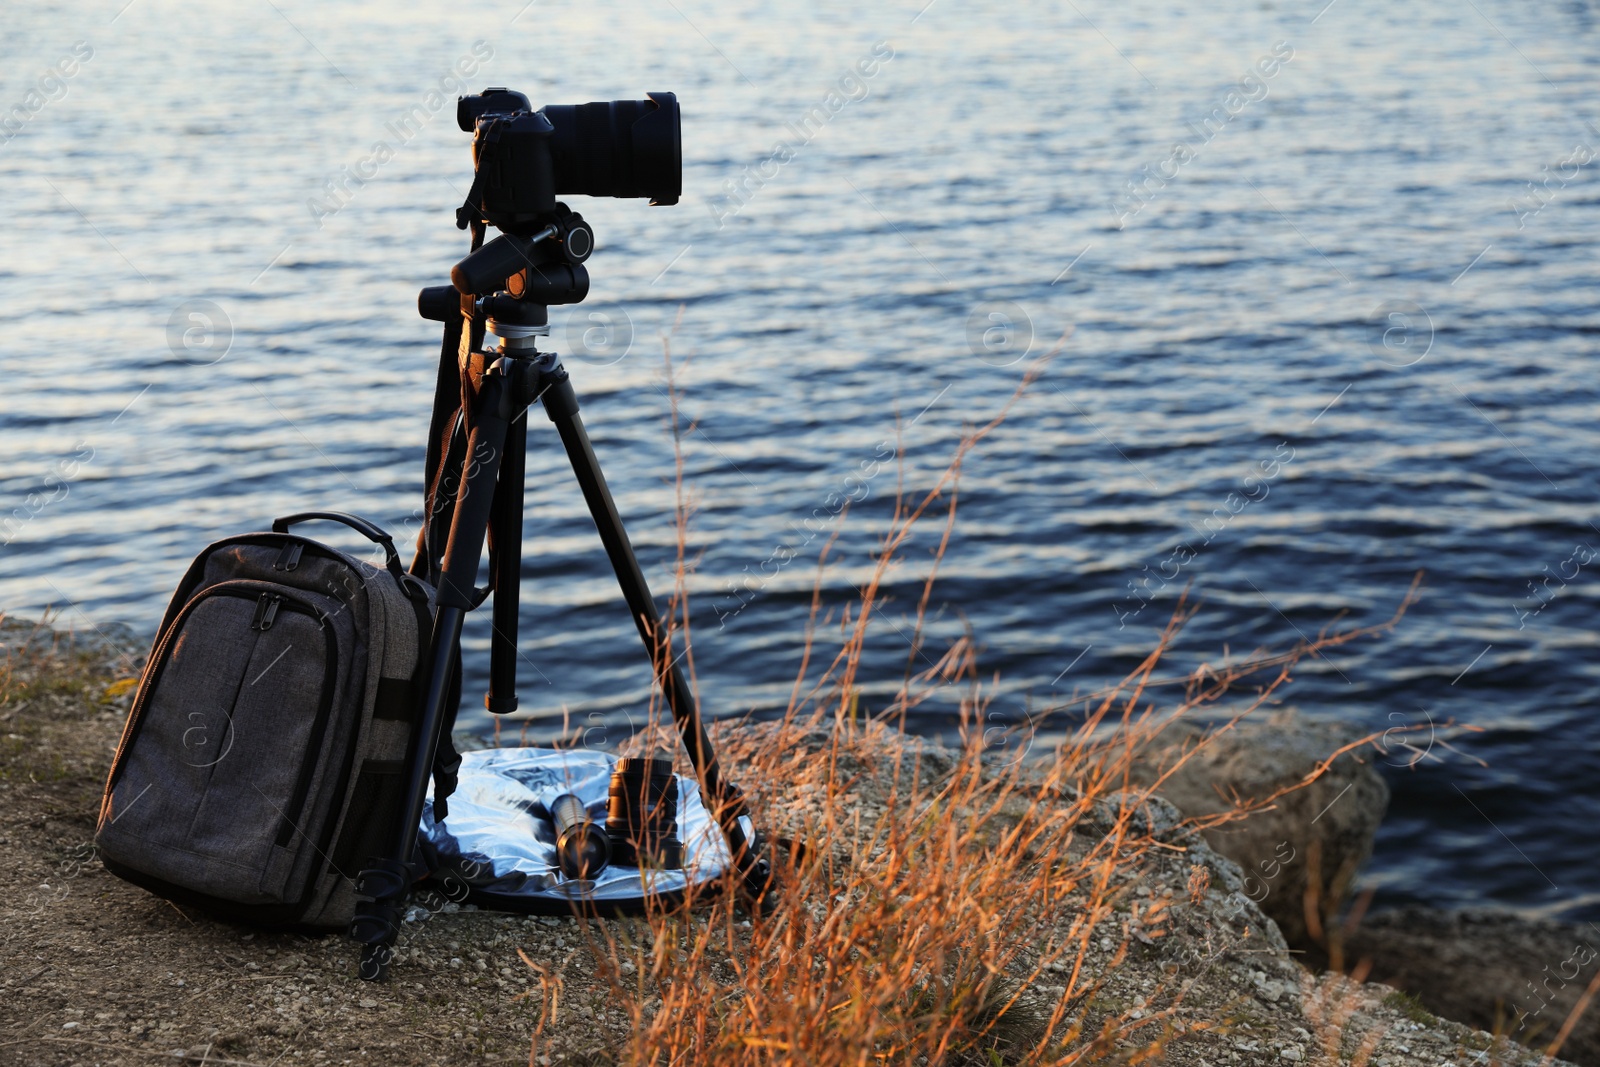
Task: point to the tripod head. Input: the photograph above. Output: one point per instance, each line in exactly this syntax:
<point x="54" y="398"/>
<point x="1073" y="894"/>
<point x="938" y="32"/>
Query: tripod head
<point x="513" y="279"/>
<point x="522" y="159"/>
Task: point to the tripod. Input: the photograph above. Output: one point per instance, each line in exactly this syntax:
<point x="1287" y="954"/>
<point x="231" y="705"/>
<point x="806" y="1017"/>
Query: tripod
<point x="476" y="466"/>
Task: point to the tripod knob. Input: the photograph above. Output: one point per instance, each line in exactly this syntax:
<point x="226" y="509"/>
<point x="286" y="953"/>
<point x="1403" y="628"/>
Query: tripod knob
<point x="577" y="238"/>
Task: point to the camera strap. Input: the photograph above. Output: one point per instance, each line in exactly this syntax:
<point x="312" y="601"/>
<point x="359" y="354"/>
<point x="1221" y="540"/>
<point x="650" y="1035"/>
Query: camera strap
<point x="448" y="431"/>
<point x="441" y="426"/>
<point x="452" y="394"/>
<point x="470" y="212"/>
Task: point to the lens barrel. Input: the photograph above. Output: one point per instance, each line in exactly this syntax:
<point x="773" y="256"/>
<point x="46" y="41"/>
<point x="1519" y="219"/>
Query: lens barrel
<point x="621" y="148"/>
<point x="642" y="814"/>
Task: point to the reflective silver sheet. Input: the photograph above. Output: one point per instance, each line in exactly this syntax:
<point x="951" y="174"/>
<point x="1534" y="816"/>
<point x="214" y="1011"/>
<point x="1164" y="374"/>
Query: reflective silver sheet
<point x="492" y="815"/>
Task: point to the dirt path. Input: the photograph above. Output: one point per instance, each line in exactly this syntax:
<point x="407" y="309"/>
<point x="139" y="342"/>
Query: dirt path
<point x="94" y="970"/>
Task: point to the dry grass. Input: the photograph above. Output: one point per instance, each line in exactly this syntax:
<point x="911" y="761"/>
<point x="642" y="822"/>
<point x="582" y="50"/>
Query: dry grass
<point x="41" y="666"/>
<point x="38" y="660"/>
<point x="934" y="890"/>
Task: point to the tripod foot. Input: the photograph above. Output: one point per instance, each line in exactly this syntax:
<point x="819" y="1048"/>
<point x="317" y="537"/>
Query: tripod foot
<point x="376" y="925"/>
<point x="375" y="960"/>
<point x="759" y="889"/>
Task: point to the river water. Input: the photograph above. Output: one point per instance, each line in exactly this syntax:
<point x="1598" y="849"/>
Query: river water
<point x="1334" y="339"/>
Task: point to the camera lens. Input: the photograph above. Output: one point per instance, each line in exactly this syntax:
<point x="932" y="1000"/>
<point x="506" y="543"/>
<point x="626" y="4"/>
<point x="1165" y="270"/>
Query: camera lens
<point x="582" y="849"/>
<point x="618" y="148"/>
<point x="642" y="814"/>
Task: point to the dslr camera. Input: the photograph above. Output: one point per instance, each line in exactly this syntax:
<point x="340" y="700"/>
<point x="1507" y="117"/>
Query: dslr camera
<point x="524" y="158"/>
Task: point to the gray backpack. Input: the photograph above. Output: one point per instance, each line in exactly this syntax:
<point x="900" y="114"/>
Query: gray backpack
<point x="264" y="758"/>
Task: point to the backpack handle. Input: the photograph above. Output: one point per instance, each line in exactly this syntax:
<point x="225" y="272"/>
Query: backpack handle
<point x="359" y="525"/>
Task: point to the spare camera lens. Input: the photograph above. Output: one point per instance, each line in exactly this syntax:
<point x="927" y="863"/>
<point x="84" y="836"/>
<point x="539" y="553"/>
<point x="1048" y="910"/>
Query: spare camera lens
<point x="642" y="814"/>
<point x="582" y="849"/>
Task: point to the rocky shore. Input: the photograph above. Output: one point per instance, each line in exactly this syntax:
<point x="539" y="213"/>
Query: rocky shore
<point x="1188" y="964"/>
<point x="1497" y="971"/>
<point x="1299" y="857"/>
<point x="1493" y="970"/>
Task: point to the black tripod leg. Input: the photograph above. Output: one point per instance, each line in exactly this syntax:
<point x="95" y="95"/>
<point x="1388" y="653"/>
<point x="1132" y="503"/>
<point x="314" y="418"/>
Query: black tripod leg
<point x="507" y="525"/>
<point x="386" y="881"/>
<point x="561" y="403"/>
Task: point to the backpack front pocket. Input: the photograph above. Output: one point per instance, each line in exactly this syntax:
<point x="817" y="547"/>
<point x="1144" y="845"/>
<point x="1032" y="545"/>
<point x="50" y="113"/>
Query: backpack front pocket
<point x="231" y="725"/>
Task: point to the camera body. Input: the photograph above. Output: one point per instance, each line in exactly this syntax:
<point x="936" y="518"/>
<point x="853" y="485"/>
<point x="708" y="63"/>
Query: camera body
<point x="523" y="159"/>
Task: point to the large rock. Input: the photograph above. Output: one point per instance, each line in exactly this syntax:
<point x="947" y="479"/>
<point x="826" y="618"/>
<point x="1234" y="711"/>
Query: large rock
<point x="1301" y="855"/>
<point x="1493" y="970"/>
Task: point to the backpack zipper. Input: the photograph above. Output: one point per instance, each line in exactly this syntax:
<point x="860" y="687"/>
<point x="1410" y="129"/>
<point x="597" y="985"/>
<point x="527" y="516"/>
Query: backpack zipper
<point x="266" y="611"/>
